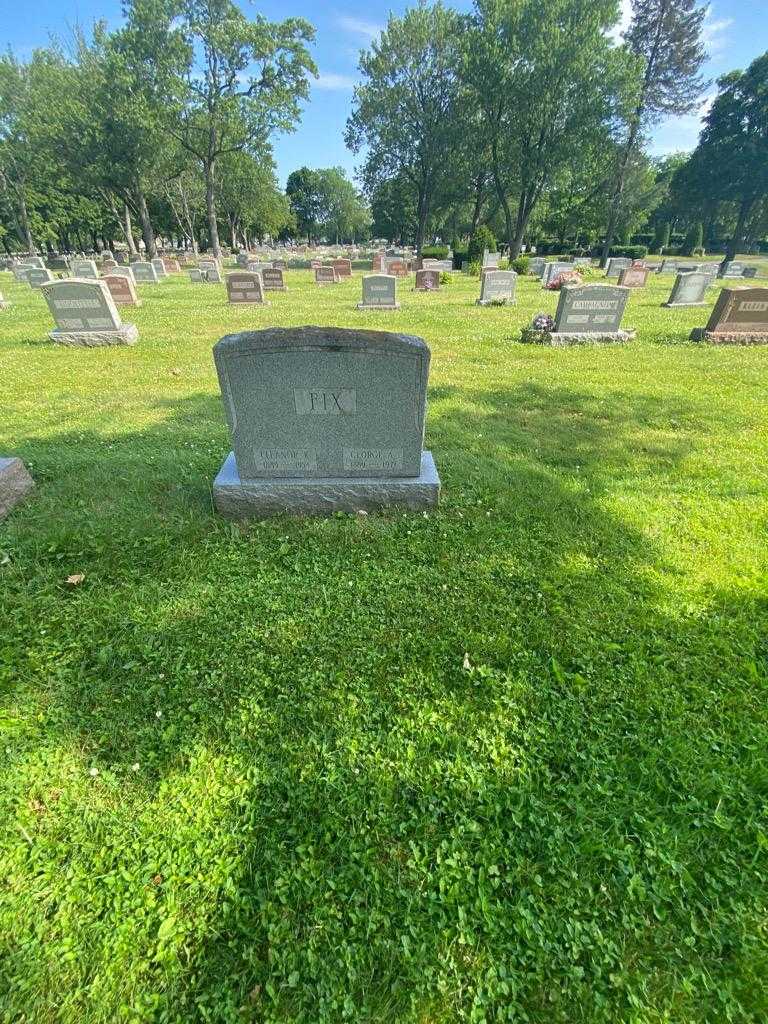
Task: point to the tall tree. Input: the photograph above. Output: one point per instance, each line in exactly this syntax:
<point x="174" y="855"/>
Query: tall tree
<point x="245" y="86"/>
<point x="666" y="35"/>
<point x="548" y="83"/>
<point x="730" y="164"/>
<point x="405" y="111"/>
<point x="303" y="189"/>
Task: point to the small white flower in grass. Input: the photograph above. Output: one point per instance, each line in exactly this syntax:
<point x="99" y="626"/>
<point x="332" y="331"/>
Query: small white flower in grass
<point x="135" y="766"/>
<point x="158" y="713"/>
<point x="467" y="663"/>
<point x="93" y="772"/>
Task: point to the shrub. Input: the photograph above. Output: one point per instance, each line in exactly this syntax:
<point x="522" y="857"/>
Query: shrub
<point x="459" y="256"/>
<point x="660" y="238"/>
<point x="520" y="265"/>
<point x="630" y="252"/>
<point x="474" y="268"/>
<point x="434" y="252"/>
<point x="694" y="238"/>
<point x="482" y="240"/>
<point x="445" y="277"/>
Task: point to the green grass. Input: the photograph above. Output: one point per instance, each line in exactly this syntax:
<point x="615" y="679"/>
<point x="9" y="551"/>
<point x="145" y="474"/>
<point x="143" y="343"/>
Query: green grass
<point x="332" y="818"/>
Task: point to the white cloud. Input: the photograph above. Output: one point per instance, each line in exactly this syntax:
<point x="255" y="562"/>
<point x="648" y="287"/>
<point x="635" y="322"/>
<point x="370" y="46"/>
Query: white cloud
<point x="712" y="32"/>
<point x="331" y="81"/>
<point x="621" y="26"/>
<point x="359" y="27"/>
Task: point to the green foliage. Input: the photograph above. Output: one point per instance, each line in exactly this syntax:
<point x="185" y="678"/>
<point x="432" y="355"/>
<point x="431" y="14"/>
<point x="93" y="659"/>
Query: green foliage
<point x="482" y="241"/>
<point x="520" y="264"/>
<point x="630" y="252"/>
<point x="661" y="237"/>
<point x="435" y="252"/>
<point x="694" y="239"/>
<point x="505" y="760"/>
<point x="405" y="111"/>
<point x="460" y="256"/>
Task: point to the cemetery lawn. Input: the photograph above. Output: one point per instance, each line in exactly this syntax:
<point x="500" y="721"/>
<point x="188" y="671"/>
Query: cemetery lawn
<point x="507" y="761"/>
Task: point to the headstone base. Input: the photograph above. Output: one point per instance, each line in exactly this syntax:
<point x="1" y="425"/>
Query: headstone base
<point x="728" y="337"/>
<point x="251" y="499"/>
<point x="128" y="334"/>
<point x="362" y="305"/>
<point x="560" y="339"/>
<point x="495" y="302"/>
<point x="682" y="305"/>
<point x="15" y="484"/>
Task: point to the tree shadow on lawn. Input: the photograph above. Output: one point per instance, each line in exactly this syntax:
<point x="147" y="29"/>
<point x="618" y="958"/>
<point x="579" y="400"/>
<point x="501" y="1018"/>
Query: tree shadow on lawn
<point x="402" y="825"/>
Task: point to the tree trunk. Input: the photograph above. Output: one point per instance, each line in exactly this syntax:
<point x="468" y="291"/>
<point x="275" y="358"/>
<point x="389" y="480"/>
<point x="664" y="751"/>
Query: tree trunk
<point x="146" y="225"/>
<point x="423" y="213"/>
<point x="210" y="206"/>
<point x="128" y="230"/>
<point x="737" y="240"/>
<point x="478" y="205"/>
<point x="24" y="223"/>
<point x="503" y="201"/>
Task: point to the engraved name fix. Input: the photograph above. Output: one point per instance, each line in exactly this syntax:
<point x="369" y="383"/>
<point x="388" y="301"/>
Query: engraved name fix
<point x="753" y="307"/>
<point x="278" y="460"/>
<point x="373" y="458"/>
<point x="325" y="401"/>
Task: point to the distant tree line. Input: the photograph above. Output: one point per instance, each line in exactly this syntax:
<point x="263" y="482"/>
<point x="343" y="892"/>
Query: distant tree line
<point x="533" y="120"/>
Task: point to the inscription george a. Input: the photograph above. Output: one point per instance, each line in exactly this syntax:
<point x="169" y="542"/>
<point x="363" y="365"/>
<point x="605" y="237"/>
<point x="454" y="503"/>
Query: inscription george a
<point x="324" y="401"/>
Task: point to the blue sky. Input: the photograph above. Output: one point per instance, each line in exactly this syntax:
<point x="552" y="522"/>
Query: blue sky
<point x="736" y="32"/>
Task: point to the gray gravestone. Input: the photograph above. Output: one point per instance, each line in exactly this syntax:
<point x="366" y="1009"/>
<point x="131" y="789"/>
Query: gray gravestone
<point x="86" y="314"/>
<point x="616" y="264"/>
<point x="668" y="267"/>
<point x="35" y="261"/>
<point x="119" y="271"/>
<point x="379" y="292"/>
<point x="491" y="260"/>
<point x="3" y="303"/>
<point x="245" y="286"/>
<point x="211" y="273"/>
<point x="38" y="276"/>
<point x="496" y="287"/>
<point x="196" y="275"/>
<point x="242" y="259"/>
<point x="323" y="419"/>
<point x="585" y="313"/>
<point x="272" y="279"/>
<point x="121" y="288"/>
<point x="750" y="272"/>
<point x="159" y="266"/>
<point x="733" y="269"/>
<point x="84" y="269"/>
<point x="536" y="266"/>
<point x="427" y="280"/>
<point x="325" y="276"/>
<point x="144" y="272"/>
<point x="689" y="290"/>
<point x="740" y="317"/>
<point x="15" y="484"/>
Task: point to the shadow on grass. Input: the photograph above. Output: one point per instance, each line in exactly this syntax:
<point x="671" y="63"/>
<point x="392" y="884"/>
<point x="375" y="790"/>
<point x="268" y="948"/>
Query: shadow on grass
<point x="412" y="833"/>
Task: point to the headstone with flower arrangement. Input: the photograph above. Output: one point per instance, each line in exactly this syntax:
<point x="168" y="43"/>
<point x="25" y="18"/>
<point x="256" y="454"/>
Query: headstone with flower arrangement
<point x="585" y="314"/>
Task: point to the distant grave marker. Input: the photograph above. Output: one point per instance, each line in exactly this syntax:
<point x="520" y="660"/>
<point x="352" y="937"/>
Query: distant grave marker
<point x="245" y="286"/>
<point x="86" y="314"/>
<point x="379" y="292"/>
